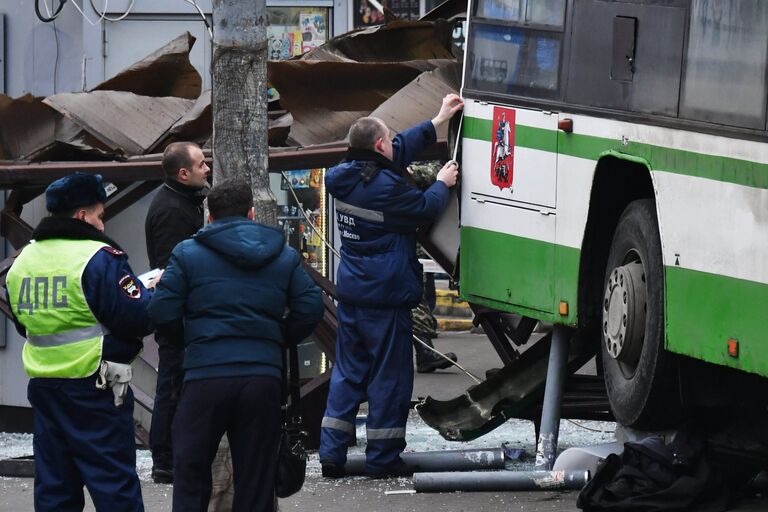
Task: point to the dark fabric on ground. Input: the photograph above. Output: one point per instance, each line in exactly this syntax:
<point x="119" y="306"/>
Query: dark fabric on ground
<point x="650" y="476"/>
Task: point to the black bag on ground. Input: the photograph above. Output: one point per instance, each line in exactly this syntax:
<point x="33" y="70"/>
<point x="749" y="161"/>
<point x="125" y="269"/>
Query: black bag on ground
<point x="291" y="457"/>
<point x="650" y="476"/>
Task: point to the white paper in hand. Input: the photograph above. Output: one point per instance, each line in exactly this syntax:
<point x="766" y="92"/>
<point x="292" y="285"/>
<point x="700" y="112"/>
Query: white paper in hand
<point x="147" y="277"/>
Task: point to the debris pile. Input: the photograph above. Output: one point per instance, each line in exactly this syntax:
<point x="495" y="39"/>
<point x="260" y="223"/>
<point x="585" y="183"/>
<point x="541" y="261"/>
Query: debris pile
<point x="399" y="72"/>
<point x="139" y="111"/>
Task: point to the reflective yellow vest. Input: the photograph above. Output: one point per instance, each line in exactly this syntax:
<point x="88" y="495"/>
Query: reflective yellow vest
<point x="45" y="289"/>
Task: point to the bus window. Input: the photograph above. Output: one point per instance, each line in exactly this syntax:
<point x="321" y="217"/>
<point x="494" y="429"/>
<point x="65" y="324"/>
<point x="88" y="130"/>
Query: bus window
<point x="546" y="12"/>
<point x="504" y="58"/>
<point x="539" y="12"/>
<point x="726" y="53"/>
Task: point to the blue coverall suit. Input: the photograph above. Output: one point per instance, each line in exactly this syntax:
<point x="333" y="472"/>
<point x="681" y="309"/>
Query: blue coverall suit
<point x="80" y="436"/>
<point x="379" y="281"/>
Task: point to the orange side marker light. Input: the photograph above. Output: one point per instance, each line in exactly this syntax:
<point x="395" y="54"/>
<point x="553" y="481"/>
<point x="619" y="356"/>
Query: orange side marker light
<point x="565" y="125"/>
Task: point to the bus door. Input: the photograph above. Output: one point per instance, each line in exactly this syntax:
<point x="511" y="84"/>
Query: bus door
<point x="508" y="200"/>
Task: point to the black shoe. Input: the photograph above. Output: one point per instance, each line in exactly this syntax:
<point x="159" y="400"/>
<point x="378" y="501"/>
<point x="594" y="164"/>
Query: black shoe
<point x="162" y="475"/>
<point x="430" y="362"/>
<point x="332" y="470"/>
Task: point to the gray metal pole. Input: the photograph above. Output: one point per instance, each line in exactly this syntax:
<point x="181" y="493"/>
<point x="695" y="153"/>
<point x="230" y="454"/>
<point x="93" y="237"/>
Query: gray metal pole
<point x="239" y="100"/>
<point x="500" y="481"/>
<point x="449" y="460"/>
<point x="546" y="448"/>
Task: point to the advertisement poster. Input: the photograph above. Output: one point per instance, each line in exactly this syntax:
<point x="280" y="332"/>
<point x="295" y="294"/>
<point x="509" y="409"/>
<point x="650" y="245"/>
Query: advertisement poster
<point x="502" y="147"/>
<point x="293" y="31"/>
<point x="368" y="13"/>
<point x="303" y="178"/>
<point x="313" y="30"/>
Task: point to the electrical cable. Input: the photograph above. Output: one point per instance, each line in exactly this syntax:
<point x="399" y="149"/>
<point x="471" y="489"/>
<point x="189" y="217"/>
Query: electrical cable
<point x="56" y="38"/>
<point x="202" y="15"/>
<point x="454" y="363"/>
<point x="55" y="62"/>
<point x="590" y="429"/>
<point x="309" y="221"/>
<point x="104" y="13"/>
<point x="50" y="16"/>
<point x="85" y="17"/>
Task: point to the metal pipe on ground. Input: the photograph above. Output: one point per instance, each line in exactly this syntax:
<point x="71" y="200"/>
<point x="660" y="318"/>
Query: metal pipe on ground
<point x="449" y="460"/>
<point x="490" y="481"/>
<point x="18" y="467"/>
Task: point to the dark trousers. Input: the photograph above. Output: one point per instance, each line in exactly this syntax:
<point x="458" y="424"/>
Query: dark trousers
<point x="82" y="439"/>
<point x="170" y="376"/>
<point x="374" y="362"/>
<point x="248" y="410"/>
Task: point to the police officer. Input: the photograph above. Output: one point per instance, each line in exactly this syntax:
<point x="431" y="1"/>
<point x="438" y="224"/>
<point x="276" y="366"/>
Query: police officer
<point x="379" y="281"/>
<point x="83" y="313"/>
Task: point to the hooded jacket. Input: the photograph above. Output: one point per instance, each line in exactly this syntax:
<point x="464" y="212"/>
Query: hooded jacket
<point x="378" y="211"/>
<point x="232" y="284"/>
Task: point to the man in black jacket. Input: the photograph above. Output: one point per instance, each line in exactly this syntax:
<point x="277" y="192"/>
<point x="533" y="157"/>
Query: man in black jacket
<point x="243" y="296"/>
<point x="176" y="213"/>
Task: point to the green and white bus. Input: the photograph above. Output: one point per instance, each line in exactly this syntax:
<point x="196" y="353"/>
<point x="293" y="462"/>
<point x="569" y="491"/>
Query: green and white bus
<point x="614" y="162"/>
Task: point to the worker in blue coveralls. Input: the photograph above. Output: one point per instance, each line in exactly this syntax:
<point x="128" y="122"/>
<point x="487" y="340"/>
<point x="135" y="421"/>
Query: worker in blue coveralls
<point x="379" y="280"/>
<point x="83" y="313"/>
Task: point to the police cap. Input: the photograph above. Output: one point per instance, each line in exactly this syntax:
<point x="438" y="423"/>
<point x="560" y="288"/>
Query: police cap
<point x="74" y="191"/>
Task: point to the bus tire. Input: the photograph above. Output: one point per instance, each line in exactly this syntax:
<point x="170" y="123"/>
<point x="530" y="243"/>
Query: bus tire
<point x="640" y="375"/>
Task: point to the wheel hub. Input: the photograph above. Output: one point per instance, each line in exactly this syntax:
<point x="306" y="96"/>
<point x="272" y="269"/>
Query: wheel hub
<point x="624" y="309"/>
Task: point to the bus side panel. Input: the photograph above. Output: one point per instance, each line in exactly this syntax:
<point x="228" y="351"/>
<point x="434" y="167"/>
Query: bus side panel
<point x="507" y="269"/>
<point x="574" y="186"/>
<point x="705" y="310"/>
<point x="508" y="219"/>
<point x="713" y="218"/>
<point x="716" y="264"/>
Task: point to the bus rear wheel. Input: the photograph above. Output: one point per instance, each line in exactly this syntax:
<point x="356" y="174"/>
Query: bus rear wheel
<point x="639" y="374"/>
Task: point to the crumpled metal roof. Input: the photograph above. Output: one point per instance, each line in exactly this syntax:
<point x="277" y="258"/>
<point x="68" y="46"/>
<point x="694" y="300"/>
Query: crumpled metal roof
<point x="126" y="123"/>
<point x="129" y="114"/>
<point x="195" y="125"/>
<point x="399" y="71"/>
<point x="397" y="41"/>
<point x="354" y="74"/>
<point x="342" y="92"/>
<point x="448" y="10"/>
<point x="165" y="72"/>
<point x="420" y="99"/>
<point x="26" y="125"/>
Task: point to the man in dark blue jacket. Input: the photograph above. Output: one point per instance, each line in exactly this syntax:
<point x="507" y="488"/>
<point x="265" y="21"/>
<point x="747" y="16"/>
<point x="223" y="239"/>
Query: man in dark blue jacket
<point x="232" y="284"/>
<point x="379" y="280"/>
